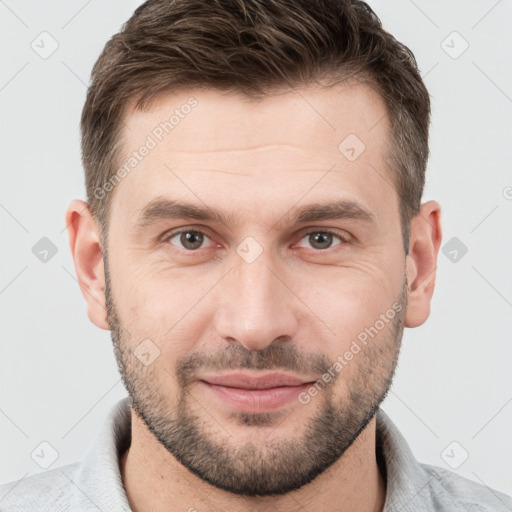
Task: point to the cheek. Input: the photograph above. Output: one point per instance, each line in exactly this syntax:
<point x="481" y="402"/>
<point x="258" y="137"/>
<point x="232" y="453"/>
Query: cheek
<point x="167" y="308"/>
<point x="361" y="313"/>
<point x="349" y="299"/>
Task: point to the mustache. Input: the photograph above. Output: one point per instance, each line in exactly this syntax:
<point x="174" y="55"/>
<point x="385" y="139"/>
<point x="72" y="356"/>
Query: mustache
<point x="237" y="357"/>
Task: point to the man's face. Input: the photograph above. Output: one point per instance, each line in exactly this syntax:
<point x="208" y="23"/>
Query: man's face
<point x="190" y="299"/>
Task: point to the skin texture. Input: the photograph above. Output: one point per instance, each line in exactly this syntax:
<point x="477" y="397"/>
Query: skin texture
<point x="296" y="308"/>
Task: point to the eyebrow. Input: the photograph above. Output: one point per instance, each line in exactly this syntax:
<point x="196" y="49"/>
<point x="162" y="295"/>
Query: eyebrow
<point x="166" y="209"/>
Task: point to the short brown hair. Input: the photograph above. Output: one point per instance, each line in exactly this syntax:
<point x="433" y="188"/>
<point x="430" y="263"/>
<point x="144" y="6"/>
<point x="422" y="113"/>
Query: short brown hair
<point x="253" y="47"/>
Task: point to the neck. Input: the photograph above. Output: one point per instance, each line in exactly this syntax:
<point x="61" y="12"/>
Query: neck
<point x="154" y="480"/>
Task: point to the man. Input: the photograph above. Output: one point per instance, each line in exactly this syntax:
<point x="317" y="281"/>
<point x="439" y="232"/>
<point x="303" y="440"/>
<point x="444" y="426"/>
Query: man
<point x="254" y="240"/>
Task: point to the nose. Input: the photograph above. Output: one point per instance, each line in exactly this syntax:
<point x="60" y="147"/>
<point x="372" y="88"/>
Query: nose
<point x="258" y="304"/>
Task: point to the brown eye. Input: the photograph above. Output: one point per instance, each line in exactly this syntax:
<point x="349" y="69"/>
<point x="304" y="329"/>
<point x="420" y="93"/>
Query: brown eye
<point x="322" y="239"/>
<point x="189" y="239"/>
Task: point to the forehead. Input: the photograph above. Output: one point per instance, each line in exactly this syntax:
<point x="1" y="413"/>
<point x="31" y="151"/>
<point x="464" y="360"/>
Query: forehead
<point x="227" y="150"/>
<point x="288" y="116"/>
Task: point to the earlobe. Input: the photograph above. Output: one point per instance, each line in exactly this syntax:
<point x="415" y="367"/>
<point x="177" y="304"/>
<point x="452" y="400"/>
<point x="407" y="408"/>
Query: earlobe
<point x="426" y="236"/>
<point x="85" y="246"/>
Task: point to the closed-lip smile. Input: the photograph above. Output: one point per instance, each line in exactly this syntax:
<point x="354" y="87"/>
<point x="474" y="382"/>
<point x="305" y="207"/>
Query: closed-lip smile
<point x="245" y="381"/>
<point x="251" y="393"/>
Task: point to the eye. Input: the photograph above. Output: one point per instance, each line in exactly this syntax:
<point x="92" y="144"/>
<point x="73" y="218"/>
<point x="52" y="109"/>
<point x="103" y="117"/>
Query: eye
<point x="193" y="239"/>
<point x="322" y="239"/>
<point x="190" y="239"/>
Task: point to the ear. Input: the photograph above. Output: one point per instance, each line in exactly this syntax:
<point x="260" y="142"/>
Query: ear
<point x="85" y="244"/>
<point x="421" y="263"/>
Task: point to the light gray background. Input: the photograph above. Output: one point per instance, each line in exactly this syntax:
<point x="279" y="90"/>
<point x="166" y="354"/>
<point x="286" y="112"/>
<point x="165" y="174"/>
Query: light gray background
<point x="454" y="383"/>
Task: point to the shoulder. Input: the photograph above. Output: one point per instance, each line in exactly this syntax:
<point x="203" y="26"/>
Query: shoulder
<point x="452" y="492"/>
<point x="47" y="491"/>
<point x="413" y="486"/>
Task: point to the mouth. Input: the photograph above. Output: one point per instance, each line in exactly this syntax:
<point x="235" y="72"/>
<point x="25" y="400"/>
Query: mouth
<point x="255" y="394"/>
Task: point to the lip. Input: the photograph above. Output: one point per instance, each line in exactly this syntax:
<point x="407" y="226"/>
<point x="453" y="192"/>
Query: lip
<point x="245" y="381"/>
<point x="255" y="394"/>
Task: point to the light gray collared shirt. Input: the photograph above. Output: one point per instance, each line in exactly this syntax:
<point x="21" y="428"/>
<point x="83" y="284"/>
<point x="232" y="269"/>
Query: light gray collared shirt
<point x="95" y="483"/>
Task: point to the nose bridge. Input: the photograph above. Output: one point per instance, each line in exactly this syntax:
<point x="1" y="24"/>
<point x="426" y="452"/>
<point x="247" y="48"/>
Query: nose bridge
<point x="256" y="306"/>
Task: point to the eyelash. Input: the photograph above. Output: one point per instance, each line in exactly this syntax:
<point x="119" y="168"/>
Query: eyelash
<point x="168" y="235"/>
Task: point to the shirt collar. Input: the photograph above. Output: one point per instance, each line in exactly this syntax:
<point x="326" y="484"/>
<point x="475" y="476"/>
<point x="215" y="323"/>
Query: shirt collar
<point x="407" y="483"/>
